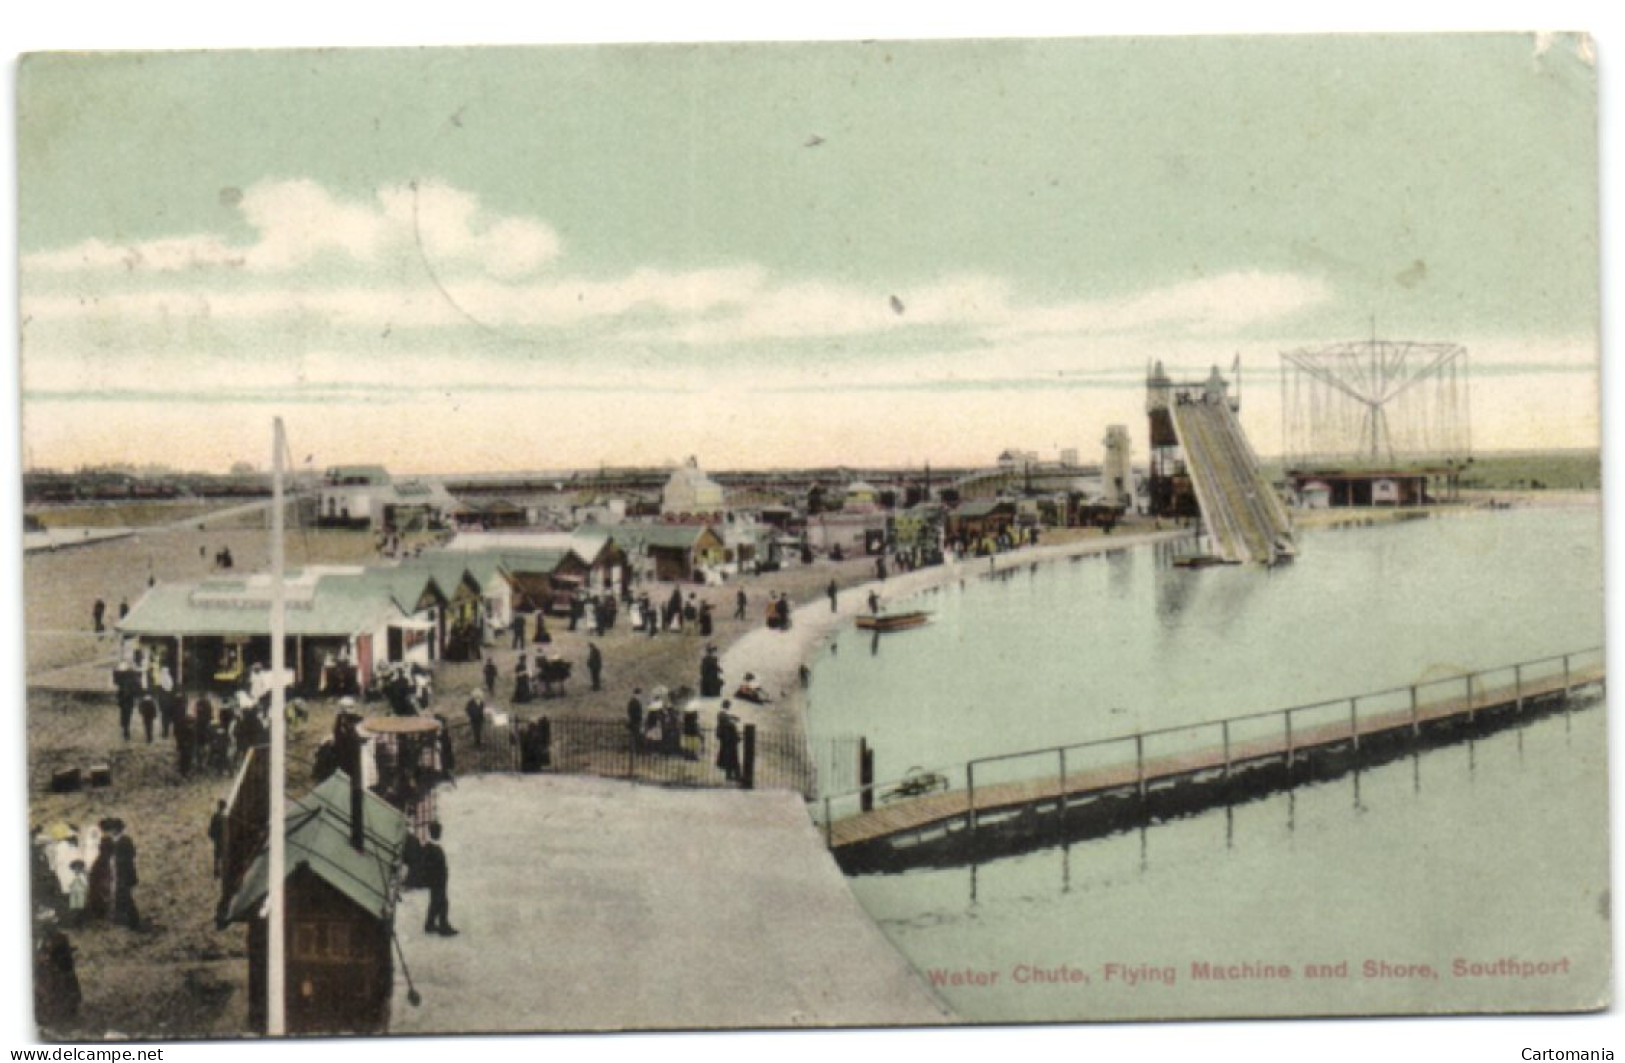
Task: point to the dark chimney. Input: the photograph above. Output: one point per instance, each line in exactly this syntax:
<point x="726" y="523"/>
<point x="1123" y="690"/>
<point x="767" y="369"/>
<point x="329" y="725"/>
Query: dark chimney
<point x="351" y="758"/>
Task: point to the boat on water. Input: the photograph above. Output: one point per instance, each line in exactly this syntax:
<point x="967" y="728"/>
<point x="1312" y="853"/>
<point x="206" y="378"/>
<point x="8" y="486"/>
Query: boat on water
<point x="891" y="621"/>
<point x="1200" y="561"/>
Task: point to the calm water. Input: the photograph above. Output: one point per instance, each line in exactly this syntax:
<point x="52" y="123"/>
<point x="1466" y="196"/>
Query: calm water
<point x="1476" y="852"/>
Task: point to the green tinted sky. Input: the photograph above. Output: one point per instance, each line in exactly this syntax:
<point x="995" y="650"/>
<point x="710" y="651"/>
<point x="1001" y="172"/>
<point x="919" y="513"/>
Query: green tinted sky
<point x="1045" y="212"/>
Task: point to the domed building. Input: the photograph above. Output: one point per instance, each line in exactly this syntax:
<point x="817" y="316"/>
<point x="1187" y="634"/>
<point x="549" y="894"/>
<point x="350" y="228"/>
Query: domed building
<point x="690" y="492"/>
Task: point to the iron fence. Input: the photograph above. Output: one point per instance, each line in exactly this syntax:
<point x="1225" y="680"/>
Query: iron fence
<point x="686" y="755"/>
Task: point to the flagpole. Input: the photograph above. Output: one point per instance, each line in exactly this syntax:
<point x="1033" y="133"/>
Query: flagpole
<point x="276" y="1024"/>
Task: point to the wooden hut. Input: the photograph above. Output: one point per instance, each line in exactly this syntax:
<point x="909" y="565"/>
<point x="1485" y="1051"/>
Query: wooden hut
<point x="677" y="552"/>
<point x="340" y="897"/>
<point x="980" y="520"/>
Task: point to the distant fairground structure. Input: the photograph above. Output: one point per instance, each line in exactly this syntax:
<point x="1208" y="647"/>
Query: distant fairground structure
<point x="1375" y="402"/>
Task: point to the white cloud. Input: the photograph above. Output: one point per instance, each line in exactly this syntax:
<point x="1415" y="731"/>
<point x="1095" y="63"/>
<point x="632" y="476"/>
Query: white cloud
<point x="298" y="223"/>
<point x="1218" y="304"/>
<point x="168" y="255"/>
<point x="428" y="255"/>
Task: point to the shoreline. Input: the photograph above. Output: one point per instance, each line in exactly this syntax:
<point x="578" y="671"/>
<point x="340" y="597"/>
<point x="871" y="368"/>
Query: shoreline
<point x="776" y="657"/>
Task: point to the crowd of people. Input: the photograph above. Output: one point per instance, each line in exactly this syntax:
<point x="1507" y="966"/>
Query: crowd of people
<point x="87" y="878"/>
<point x="208" y="737"/>
<point x="81" y="879"/>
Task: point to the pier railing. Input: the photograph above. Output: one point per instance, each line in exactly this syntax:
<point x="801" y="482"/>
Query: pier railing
<point x="1140" y="760"/>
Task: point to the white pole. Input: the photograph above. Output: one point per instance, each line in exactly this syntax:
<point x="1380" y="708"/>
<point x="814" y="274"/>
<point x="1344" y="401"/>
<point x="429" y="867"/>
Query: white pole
<point x="275" y="962"/>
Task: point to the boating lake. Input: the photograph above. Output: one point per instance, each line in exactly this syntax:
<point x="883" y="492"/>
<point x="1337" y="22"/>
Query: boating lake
<point x="1476" y="852"/>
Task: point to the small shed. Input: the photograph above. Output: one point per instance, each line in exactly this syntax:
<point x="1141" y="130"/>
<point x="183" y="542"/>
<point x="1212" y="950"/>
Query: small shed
<point x="463" y="618"/>
<point x="340" y="912"/>
<point x="983" y="519"/>
<point x="1362" y="487"/>
<point x="539" y="576"/>
<point x="855" y="533"/>
<point x="678" y="551"/>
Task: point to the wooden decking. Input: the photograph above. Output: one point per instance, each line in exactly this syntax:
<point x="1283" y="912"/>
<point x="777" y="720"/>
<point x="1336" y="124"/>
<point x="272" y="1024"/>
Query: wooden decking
<point x="917" y="813"/>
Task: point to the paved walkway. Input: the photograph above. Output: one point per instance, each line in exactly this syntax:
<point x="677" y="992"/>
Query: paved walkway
<point x="594" y="904"/>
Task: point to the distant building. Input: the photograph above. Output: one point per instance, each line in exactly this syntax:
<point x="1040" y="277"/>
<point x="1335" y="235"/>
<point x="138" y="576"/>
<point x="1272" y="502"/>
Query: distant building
<point x="980" y="520"/>
<point x="919" y="528"/>
<point x="676" y="552"/>
<point x="598" y="557"/>
<point x="366" y="496"/>
<point x="1013" y="460"/>
<point x="348" y="492"/>
<point x="1069" y="457"/>
<point x="690" y="492"/>
<point x="861" y="497"/>
<point x="1116" y="476"/>
<point x="854" y="532"/>
<point x="1327" y="488"/>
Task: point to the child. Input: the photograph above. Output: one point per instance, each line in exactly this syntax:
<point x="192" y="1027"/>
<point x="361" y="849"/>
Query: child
<point x="78" y="894"/>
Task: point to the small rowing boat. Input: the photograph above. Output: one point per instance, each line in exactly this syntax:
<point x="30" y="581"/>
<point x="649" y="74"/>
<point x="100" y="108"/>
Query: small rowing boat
<point x="1200" y="561"/>
<point x="891" y="621"/>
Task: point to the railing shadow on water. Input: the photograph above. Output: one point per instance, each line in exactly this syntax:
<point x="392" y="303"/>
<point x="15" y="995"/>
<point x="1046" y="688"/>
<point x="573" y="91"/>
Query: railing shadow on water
<point x="1021" y="802"/>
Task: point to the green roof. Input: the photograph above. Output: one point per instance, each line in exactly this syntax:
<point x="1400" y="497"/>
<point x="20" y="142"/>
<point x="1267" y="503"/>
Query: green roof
<point x="318" y="836"/>
<point x="481" y="566"/>
<point x="342" y="605"/>
<point x="524" y="561"/>
<point x="447" y="570"/>
<point x="667" y="535"/>
<point x="980" y="509"/>
<point x="405" y="585"/>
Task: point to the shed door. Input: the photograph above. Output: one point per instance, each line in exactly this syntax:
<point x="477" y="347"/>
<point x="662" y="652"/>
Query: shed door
<point x="363" y="660"/>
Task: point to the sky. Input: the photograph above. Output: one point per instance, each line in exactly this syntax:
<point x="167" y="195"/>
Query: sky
<point x="450" y="260"/>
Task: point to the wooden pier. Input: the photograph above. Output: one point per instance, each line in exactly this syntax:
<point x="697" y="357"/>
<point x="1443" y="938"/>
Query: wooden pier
<point x="1215" y="755"/>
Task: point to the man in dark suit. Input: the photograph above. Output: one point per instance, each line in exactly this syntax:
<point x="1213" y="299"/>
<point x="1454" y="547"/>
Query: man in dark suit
<point x="634" y="715"/>
<point x="595" y="664"/>
<point x="475" y="711"/>
<point x="435" y="874"/>
<point x="217" y="835"/>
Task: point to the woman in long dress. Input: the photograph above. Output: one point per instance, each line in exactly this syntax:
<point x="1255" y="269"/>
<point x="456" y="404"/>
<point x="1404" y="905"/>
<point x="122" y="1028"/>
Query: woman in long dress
<point x="99" y="901"/>
<point x="521" y="682"/>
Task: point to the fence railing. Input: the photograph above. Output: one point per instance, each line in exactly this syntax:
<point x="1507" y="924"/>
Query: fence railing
<point x="1132" y="760"/>
<point x="684" y="756"/>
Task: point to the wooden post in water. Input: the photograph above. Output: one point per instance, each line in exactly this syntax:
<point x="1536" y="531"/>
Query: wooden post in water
<point x="970" y="795"/>
<point x="1139" y="764"/>
<point x="829" y="826"/>
<point x="1290" y="758"/>
<point x="1224" y="727"/>
<point x="1060" y="789"/>
<point x="1354" y="722"/>
<point x="1469" y="697"/>
<point x="1517" y="684"/>
<point x="1416" y="719"/>
<point x="866" y="776"/>
<point x="1568" y="718"/>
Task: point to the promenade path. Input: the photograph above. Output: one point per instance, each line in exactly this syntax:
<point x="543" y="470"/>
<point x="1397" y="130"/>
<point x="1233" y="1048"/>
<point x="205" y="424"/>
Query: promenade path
<point x="594" y="904"/>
